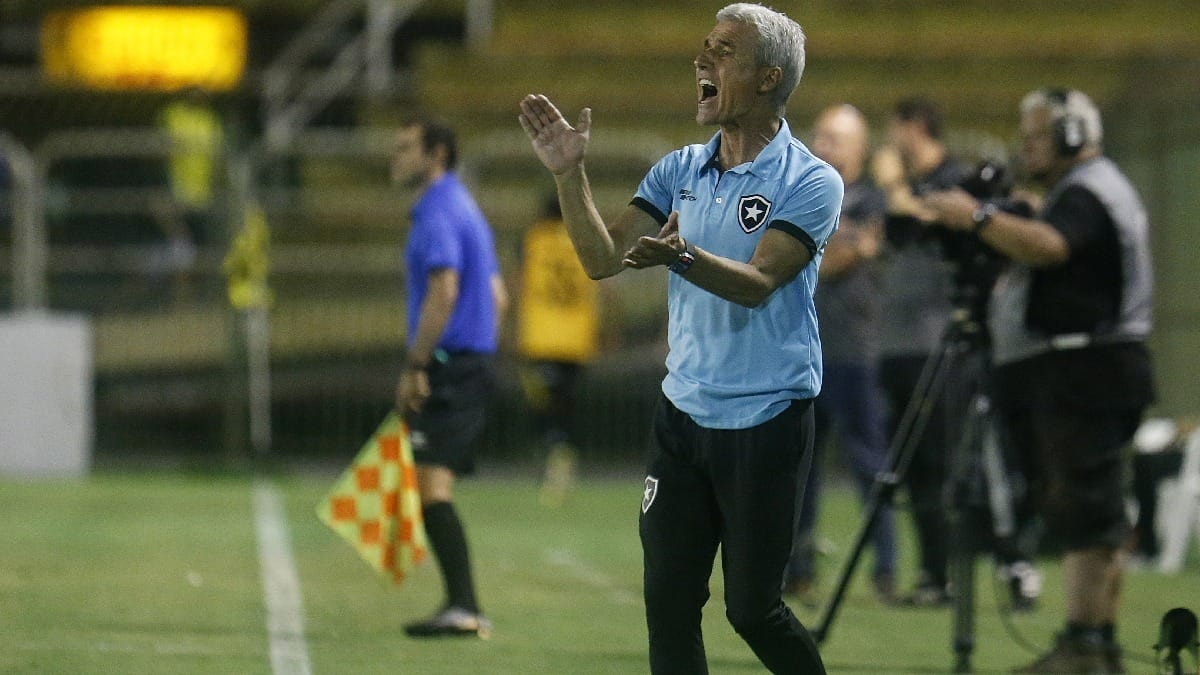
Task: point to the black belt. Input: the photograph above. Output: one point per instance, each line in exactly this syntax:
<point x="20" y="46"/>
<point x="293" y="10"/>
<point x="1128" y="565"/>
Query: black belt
<point x="1066" y="341"/>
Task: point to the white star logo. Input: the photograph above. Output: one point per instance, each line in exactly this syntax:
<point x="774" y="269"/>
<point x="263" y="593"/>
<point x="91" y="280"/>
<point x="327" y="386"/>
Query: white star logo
<point x="752" y="212"/>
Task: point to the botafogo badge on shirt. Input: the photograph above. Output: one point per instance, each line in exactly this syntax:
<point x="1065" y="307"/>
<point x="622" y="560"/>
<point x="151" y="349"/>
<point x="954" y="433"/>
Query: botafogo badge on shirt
<point x="752" y="212"/>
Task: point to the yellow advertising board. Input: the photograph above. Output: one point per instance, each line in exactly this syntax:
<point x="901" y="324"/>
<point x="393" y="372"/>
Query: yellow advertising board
<point x="162" y="48"/>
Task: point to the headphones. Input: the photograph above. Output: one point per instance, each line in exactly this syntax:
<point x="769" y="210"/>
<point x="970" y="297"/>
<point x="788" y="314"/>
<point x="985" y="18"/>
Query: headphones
<point x="1069" y="132"/>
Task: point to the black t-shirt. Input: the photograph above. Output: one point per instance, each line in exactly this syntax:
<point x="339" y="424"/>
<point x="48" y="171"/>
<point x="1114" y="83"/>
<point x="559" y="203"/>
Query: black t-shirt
<point x="1083" y="295"/>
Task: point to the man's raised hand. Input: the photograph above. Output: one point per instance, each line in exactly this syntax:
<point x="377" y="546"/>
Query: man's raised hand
<point x="558" y="145"/>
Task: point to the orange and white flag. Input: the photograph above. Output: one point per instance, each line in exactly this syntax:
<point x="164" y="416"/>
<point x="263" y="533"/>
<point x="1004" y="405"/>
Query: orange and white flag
<point x="376" y="506"/>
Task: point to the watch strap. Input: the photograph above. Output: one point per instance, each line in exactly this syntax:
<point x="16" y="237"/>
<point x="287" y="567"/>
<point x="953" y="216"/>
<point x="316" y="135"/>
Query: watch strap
<point x="684" y="262"/>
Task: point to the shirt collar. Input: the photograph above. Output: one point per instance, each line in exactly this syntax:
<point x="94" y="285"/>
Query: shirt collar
<point x="765" y="165"/>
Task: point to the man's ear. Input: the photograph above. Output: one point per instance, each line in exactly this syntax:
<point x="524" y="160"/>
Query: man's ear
<point x="442" y="154"/>
<point x="770" y="79"/>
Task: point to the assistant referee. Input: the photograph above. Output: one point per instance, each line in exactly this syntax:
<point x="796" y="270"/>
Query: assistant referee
<point x="455" y="299"/>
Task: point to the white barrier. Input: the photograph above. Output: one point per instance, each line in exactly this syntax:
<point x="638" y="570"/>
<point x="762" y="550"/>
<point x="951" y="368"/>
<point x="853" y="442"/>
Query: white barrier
<point x="1179" y="509"/>
<point x="45" y="394"/>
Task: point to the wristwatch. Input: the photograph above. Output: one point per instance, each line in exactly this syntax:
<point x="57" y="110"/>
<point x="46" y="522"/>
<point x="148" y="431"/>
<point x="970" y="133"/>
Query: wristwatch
<point x="982" y="216"/>
<point x="684" y="262"/>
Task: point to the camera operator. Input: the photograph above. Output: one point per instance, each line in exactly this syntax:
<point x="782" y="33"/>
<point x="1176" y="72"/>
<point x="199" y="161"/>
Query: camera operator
<point x="915" y="308"/>
<point x="1069" y="319"/>
<point x="847" y="301"/>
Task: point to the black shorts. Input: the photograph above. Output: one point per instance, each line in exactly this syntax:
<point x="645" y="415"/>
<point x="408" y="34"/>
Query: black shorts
<point x="447" y="430"/>
<point x="1073" y="456"/>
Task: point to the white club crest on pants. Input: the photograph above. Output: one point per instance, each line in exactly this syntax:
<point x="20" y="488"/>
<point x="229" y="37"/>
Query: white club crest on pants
<point x="649" y="493"/>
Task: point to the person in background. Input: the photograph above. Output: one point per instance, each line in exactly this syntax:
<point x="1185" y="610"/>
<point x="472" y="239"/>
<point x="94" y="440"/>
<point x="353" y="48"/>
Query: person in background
<point x="847" y="301"/>
<point x="915" y="308"/>
<point x="558" y="333"/>
<point x="1069" y="321"/>
<point x="185" y="214"/>
<point x="456" y="298"/>
<point x="930" y="280"/>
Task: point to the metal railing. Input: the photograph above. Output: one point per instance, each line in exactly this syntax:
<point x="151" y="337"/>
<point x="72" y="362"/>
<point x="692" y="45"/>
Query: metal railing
<point x="171" y="366"/>
<point x="29" y="228"/>
<point x="294" y="96"/>
<point x="295" y="93"/>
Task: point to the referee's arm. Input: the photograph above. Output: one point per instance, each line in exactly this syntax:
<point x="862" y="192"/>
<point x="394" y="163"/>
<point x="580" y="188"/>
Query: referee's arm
<point x="441" y="294"/>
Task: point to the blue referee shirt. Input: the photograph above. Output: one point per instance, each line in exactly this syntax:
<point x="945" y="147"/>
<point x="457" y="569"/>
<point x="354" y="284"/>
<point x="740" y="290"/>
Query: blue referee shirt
<point x="731" y="367"/>
<point x="449" y="231"/>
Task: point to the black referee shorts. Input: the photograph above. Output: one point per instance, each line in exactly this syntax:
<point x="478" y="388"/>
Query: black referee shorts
<point x="447" y="430"/>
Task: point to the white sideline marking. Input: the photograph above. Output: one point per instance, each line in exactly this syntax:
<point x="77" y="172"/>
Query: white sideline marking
<point x="281" y="584"/>
<point x="566" y="560"/>
<point x="106" y="647"/>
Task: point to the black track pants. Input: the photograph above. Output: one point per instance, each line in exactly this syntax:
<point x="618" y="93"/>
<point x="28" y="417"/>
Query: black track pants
<point x="740" y="489"/>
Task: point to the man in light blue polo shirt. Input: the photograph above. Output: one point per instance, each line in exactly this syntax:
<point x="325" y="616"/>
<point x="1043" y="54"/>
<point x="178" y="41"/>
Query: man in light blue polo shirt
<point x="741" y="223"/>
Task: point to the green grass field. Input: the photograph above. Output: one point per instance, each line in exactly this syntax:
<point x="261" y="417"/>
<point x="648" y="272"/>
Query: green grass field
<point x="158" y="573"/>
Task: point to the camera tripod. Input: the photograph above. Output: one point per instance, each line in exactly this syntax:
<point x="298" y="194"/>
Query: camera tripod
<point x="975" y="479"/>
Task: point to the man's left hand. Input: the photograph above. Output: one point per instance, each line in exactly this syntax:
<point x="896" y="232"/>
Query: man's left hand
<point x="661" y="249"/>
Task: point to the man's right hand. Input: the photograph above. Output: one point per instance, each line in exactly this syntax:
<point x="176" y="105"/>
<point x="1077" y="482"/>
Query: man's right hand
<point x="558" y="145"/>
<point x="887" y="168"/>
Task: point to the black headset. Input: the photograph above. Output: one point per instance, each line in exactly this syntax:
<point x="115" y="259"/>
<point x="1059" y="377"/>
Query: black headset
<point x="1069" y="131"/>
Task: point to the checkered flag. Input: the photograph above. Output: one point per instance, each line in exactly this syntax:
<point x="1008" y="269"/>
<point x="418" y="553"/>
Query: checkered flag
<point x="376" y="506"/>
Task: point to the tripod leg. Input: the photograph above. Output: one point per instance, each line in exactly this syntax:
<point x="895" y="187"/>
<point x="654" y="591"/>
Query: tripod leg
<point x="962" y="576"/>
<point x="900" y="452"/>
<point x="961" y="485"/>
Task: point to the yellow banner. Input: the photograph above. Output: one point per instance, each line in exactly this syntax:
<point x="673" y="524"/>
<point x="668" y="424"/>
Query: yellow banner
<point x="124" y="47"/>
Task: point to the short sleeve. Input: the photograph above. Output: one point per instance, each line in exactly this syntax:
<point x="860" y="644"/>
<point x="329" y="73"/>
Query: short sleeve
<point x="811" y="209"/>
<point x="1079" y="216"/>
<point x="655" y="193"/>
<point x="434" y="241"/>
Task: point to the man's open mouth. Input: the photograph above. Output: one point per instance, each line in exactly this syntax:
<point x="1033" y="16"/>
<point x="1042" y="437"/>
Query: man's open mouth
<point x="708" y="90"/>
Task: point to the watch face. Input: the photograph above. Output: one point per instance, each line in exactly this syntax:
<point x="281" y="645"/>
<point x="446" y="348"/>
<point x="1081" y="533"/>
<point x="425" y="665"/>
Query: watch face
<point x="683" y="262"/>
<point x="983" y="215"/>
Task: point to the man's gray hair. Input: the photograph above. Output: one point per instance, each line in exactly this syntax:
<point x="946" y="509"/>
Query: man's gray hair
<point x="780" y="43"/>
<point x="1068" y="102"/>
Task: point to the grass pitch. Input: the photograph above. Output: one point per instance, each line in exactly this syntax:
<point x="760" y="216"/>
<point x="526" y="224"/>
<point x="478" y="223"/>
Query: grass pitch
<point x="158" y="573"/>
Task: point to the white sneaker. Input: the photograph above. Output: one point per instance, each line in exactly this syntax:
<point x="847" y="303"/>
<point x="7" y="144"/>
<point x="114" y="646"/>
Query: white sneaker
<point x="1024" y="583"/>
